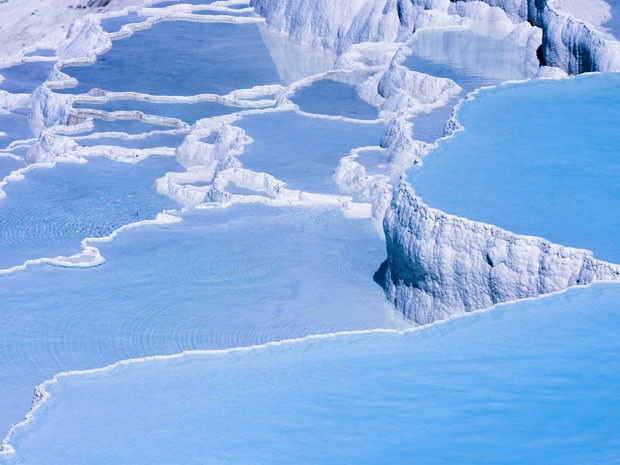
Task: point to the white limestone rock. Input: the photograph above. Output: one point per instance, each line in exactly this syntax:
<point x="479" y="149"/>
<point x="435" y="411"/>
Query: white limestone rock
<point x="441" y="265"/>
<point x="50" y="148"/>
<point x="409" y="92"/>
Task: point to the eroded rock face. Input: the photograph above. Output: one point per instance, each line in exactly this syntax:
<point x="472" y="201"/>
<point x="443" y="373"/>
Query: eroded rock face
<point x="568" y="43"/>
<point x="441" y="265"/>
<point x="336" y="24"/>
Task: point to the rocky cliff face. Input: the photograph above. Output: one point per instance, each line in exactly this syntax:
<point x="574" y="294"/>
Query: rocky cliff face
<point x="441" y="265"/>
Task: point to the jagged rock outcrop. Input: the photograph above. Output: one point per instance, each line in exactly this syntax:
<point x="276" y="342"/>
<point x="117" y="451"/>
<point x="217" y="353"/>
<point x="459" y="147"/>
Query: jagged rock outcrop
<point x="337" y="25"/>
<point x="568" y="43"/>
<point x="409" y="92"/>
<point x="50" y="148"/>
<point x="441" y="265"/>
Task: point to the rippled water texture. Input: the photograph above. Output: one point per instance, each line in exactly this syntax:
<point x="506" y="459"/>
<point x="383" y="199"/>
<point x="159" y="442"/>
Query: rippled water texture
<point x="533" y="382"/>
<point x="52" y="210"/>
<point x="221" y="278"/>
<point x="195" y="58"/>
<point x="539" y="387"/>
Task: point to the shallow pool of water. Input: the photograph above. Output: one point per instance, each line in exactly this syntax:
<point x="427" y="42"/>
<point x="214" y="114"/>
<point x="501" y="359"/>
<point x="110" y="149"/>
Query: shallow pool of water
<point x="328" y="97"/>
<point x="540" y="158"/>
<point x="539" y="387"/>
<point x="26" y="77"/>
<point x="181" y="58"/>
<point x="472" y="61"/>
<point x="221" y="278"/>
<point x="305" y="153"/>
<point x="52" y="210"/>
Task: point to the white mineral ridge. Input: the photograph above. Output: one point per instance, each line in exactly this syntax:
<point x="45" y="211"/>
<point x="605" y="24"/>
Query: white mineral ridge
<point x="441" y="265"/>
<point x="50" y="148"/>
<point x="210" y="142"/>
<point x="570" y="43"/>
<point x="48" y="109"/>
<point x="595" y="12"/>
<point x="409" y="92"/>
<point x="9" y="100"/>
<point x="85" y="40"/>
<point x="402" y="148"/>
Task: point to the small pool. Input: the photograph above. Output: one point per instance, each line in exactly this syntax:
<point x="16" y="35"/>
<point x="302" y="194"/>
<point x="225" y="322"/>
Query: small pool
<point x="306" y="153"/>
<point x="181" y="58"/>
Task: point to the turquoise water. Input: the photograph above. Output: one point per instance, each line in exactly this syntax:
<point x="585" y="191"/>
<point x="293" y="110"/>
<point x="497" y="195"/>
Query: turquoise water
<point x="541" y="387"/>
<point x="540" y="158"/>
<point x="80" y="201"/>
<point x="189" y="58"/>
<point x="221" y="278"/>
<point x="306" y="153"/>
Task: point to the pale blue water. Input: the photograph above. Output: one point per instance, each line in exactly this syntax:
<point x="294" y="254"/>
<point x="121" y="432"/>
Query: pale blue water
<point x="541" y="158"/>
<point x="43" y="52"/>
<point x="303" y="151"/>
<point x="222" y="278"/>
<point x="181" y="58"/>
<point x="157" y="140"/>
<point x="8" y="165"/>
<point x="127" y="126"/>
<point x="190" y="113"/>
<point x="116" y="23"/>
<point x="329" y="97"/>
<point x="541" y="387"/>
<point x="26" y="77"/>
<point x="223" y="13"/>
<point x="79" y="201"/>
<point x="531" y="383"/>
<point x="470" y="60"/>
<point x="15" y="126"/>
